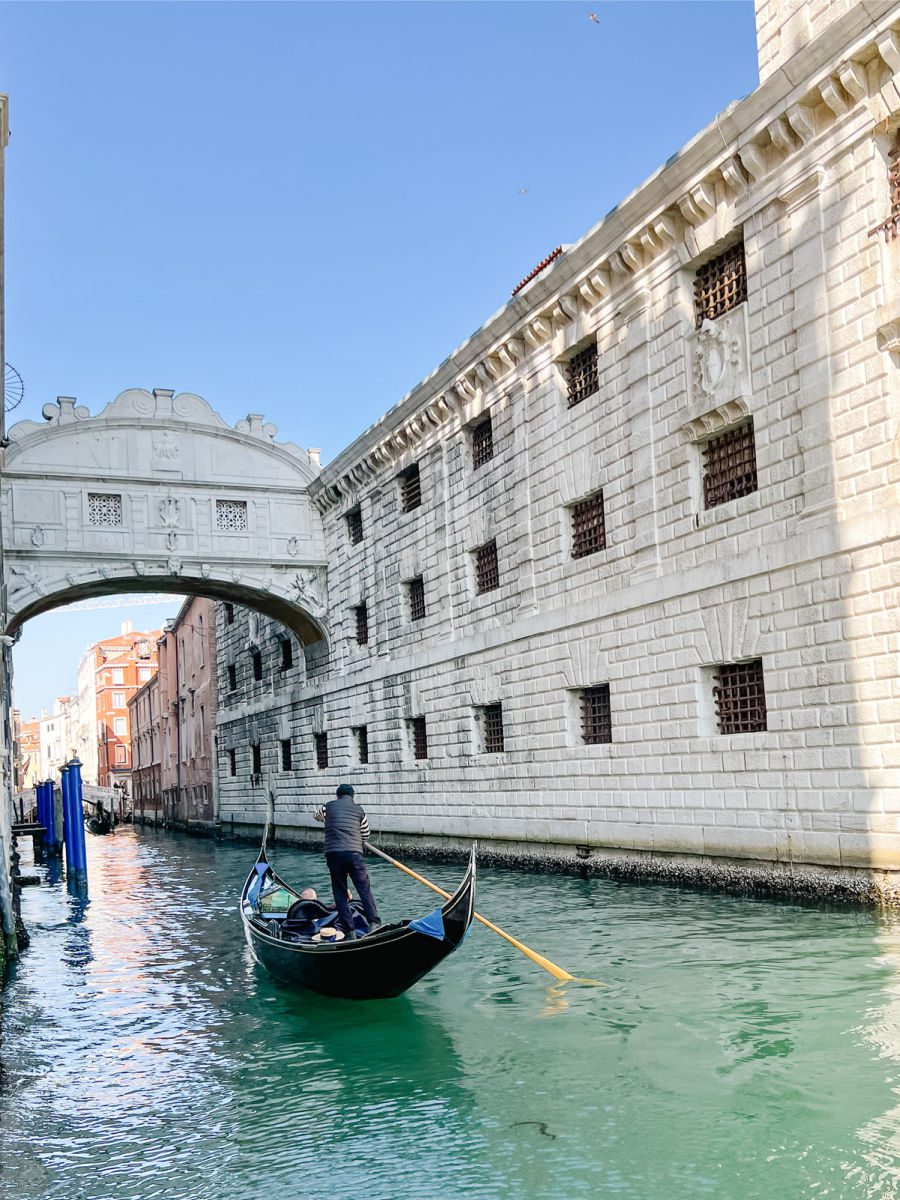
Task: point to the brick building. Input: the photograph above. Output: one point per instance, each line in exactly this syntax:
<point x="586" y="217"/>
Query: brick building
<point x="619" y="580"/>
<point x="27" y="748"/>
<point x="121" y="665"/>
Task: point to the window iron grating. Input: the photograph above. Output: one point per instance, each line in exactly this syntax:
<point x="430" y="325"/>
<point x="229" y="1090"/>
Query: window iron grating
<point x="104" y="511"/>
<point x="596" y="715"/>
<point x="890" y="226"/>
<point x="362" y="745"/>
<point x="720" y="285"/>
<point x="231" y="516"/>
<point x="410" y="488"/>
<point x="588" y="526"/>
<point x="417" y="599"/>
<point x="355" y="526"/>
<point x="582" y="375"/>
<point x="482" y="443"/>
<point x="740" y="697"/>
<point x="492" y="728"/>
<point x="419" y="737"/>
<point x="362" y="624"/>
<point x="321" y="741"/>
<point x="729" y="466"/>
<point x="487" y="570"/>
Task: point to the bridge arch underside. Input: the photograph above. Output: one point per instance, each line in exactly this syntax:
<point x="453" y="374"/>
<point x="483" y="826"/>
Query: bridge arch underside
<point x="307" y="625"/>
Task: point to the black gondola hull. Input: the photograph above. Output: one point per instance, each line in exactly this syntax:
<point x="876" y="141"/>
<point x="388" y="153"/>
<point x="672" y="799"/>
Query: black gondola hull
<point x="378" y="966"/>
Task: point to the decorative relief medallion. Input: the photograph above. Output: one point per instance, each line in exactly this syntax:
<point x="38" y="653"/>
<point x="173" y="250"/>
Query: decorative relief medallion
<point x="205" y="570"/>
<point x="25" y="579"/>
<point x="171" y="540"/>
<point x="717" y="354"/>
<point x="173" y="566"/>
<point x="166" y="449"/>
<point x="38" y="537"/>
<point x="170" y="512"/>
<point x="140" y="567"/>
<point x="293" y="546"/>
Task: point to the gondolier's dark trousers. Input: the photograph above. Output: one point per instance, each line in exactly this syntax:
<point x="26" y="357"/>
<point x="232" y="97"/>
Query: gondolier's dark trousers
<point x="344" y="863"/>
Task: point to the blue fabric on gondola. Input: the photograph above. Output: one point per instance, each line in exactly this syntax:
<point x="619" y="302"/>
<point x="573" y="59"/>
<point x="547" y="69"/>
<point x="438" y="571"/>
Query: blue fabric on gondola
<point x="432" y="925"/>
<point x="256" y="885"/>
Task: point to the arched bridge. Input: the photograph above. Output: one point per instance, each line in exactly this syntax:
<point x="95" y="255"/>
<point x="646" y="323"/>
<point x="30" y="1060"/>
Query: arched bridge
<point x="158" y="493"/>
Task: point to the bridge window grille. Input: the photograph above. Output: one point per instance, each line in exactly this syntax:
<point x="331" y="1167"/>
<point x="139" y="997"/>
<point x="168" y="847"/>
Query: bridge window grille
<point x="362" y="624"/>
<point x="410" y="488"/>
<point x="482" y="443"/>
<point x="720" y="285"/>
<point x="487" y="570"/>
<point x="419" y="732"/>
<point x="362" y="744"/>
<point x="231" y="516"/>
<point x="232" y="677"/>
<point x="257" y="665"/>
<point x="588" y="526"/>
<point x="321" y="740"/>
<point x="729" y="466"/>
<point x="286" y="754"/>
<point x="256" y="751"/>
<point x="355" y="526"/>
<point x="104" y="511"/>
<point x="416" y="589"/>
<point x="287" y="654"/>
<point x="492" y="729"/>
<point x="740" y="697"/>
<point x="596" y="716"/>
<point x="582" y="375"/>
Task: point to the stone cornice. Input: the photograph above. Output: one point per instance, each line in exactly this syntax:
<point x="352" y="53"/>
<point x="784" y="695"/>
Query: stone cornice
<point x="847" y="65"/>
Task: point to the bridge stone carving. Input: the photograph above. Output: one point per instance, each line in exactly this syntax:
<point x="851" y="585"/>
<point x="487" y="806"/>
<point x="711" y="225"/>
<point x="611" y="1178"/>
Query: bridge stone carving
<point x="158" y="493"/>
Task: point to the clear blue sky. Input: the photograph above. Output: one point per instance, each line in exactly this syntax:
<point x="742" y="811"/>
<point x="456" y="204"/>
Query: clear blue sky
<point x="300" y="209"/>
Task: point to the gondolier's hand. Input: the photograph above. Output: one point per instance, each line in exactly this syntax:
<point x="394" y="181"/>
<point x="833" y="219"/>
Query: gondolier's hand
<point x="319" y="814"/>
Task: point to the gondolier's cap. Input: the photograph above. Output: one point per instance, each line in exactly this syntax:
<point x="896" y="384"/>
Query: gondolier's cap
<point x="344" y="790"/>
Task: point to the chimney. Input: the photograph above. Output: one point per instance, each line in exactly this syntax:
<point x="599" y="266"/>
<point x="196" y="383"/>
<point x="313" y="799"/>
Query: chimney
<point x="127" y="627"/>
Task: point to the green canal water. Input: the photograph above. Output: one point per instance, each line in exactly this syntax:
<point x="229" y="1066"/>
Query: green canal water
<point x="743" y="1048"/>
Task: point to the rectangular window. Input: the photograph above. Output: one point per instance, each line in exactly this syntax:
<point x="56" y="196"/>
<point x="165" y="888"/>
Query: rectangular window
<point x="231" y="516"/>
<point x="361" y="613"/>
<point x="104" y="510"/>
<point x="232" y="677"/>
<point x="287" y="654"/>
<point x="232" y="762"/>
<point x="118" y="675"/>
<point x="729" y="466"/>
<point x="492" y="729"/>
<point x="720" y="285"/>
<point x="588" y="526"/>
<point x="362" y="744"/>
<point x="487" y="572"/>
<point x="410" y="488"/>
<point x="419" y="736"/>
<point x="286" y="754"/>
<point x="582" y="375"/>
<point x="256" y="765"/>
<point x="121" y="755"/>
<point x="482" y="443"/>
<point x="321" y="740"/>
<point x="355" y="526"/>
<point x="144" y="674"/>
<point x="416" y="592"/>
<point x="596" y="716"/>
<point x="118" y="699"/>
<point x="120" y="726"/>
<point x="229" y="614"/>
<point x="256" y="658"/>
<point x="740" y="697"/>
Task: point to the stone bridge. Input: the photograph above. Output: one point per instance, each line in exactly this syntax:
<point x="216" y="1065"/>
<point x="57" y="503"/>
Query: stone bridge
<point x="158" y="493"/>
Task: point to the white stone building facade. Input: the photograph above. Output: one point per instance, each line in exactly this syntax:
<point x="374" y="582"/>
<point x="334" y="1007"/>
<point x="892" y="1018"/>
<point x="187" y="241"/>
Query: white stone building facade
<point x="650" y="613"/>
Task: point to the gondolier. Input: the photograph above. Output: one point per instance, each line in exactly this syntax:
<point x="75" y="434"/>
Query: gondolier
<point x="346" y="829"/>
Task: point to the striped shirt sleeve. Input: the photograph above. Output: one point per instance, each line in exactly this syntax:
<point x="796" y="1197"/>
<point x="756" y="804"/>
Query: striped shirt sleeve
<point x="319" y="814"/>
<point x="364" y="828"/>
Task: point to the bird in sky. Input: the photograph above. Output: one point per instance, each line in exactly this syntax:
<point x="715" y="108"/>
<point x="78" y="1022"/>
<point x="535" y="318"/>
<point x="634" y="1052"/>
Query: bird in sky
<point x="593" y="17"/>
<point x="523" y="191"/>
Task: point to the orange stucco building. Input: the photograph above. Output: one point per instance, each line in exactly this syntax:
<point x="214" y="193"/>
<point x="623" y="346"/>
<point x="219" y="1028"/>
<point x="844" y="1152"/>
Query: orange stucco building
<point x="122" y="665"/>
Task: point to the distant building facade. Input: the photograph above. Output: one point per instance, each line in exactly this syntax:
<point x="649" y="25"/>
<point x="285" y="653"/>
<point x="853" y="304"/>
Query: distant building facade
<point x="27" y="751"/>
<point x="55" y="738"/>
<point x="146" y="748"/>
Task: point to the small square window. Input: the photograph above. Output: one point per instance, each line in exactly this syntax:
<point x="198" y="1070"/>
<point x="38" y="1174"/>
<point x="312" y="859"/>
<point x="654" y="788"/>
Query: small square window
<point x="491" y="720"/>
<point x="355" y="526"/>
<point x="582" y="375"/>
<point x="287" y="654"/>
<point x="487" y="571"/>
<point x="410" y="488"/>
<point x="588" y="526"/>
<point x="361" y="734"/>
<point x="416" y="593"/>
<point x="720" y="285"/>
<point x="256" y="751"/>
<point x="482" y="443"/>
<point x="361" y="613"/>
<point x="740" y="697"/>
<point x="256" y="658"/>
<point x="232" y="677"/>
<point x="596" y="715"/>
<point x="231" y="516"/>
<point x="232" y="762"/>
<point x="419" y="737"/>
<point x="729" y="466"/>
<point x="321" y="740"/>
<point x="104" y="511"/>
<point x="286" y="754"/>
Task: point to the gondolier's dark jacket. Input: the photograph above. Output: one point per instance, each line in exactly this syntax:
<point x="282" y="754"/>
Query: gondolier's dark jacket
<point x="346" y="825"/>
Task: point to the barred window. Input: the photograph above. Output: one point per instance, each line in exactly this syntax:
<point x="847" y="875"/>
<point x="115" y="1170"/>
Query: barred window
<point x="729" y="466"/>
<point x="419" y="734"/>
<point x="321" y="740"/>
<point x="410" y="488"/>
<point x="720" y="285"/>
<point x="596" y="716"/>
<point x="103" y="510"/>
<point x="740" y="697"/>
<point x="362" y="624"/>
<point x="355" y="526"/>
<point x="286" y="754"/>
<point x="487" y="571"/>
<point x="588" y="526"/>
<point x="287" y="654"/>
<point x="232" y="677"/>
<point x="257" y="759"/>
<point x="256" y="658"/>
<point x="362" y="744"/>
<point x="492" y="729"/>
<point x="582" y="377"/>
<point x="416" y="590"/>
<point x="232" y="762"/>
<point x="482" y="443"/>
<point x="231" y="515"/>
<point x="229" y="614"/>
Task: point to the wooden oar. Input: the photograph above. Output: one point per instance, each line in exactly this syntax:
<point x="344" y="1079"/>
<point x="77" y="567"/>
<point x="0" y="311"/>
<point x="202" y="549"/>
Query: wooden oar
<point x="554" y="970"/>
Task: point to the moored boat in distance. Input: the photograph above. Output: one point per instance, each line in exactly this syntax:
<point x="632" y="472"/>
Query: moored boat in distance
<point x="287" y="935"/>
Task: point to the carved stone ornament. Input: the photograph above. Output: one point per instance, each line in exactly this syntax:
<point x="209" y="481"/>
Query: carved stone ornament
<point x="293" y="546"/>
<point x="166" y="449"/>
<point x="170" y="512"/>
<point x="309" y="587"/>
<point x="205" y="570"/>
<point x="27" y="580"/>
<point x="171" y="540"/>
<point x="718" y="364"/>
<point x="140" y="567"/>
<point x="38" y="537"/>
<point x="173" y="566"/>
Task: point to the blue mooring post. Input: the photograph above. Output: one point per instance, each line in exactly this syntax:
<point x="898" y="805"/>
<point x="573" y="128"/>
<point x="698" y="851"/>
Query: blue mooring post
<point x="52" y="837"/>
<point x="41" y="818"/>
<point x="67" y="820"/>
<point x="77" y="806"/>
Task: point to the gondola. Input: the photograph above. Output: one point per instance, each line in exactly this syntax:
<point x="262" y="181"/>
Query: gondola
<point x="99" y="823"/>
<point x="280" y="927"/>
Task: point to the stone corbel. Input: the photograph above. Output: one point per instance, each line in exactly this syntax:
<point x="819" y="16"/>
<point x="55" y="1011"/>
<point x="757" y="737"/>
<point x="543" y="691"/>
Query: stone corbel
<point x="782" y="138"/>
<point x="853" y="79"/>
<point x="802" y="120"/>
<point x="734" y="175"/>
<point x="833" y="96"/>
<point x="889" y="49"/>
<point x="754" y="160"/>
<point x="538" y="331"/>
<point x="888" y="336"/>
<point x="631" y="256"/>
